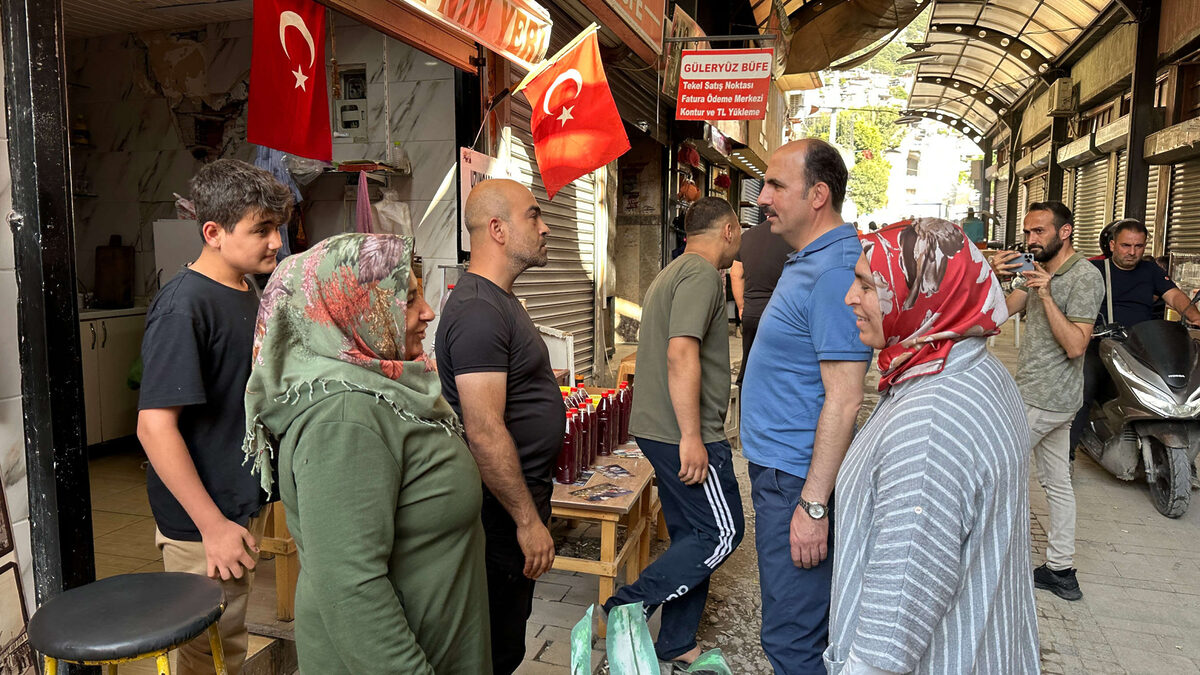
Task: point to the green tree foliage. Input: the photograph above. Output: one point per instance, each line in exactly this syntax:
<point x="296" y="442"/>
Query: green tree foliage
<point x="869" y="183"/>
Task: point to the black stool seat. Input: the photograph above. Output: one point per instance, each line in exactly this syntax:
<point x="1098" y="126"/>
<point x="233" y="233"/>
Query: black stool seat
<point x="125" y="616"/>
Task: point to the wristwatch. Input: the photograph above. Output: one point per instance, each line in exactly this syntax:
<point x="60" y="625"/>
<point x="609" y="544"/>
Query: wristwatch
<point x="815" y="510"/>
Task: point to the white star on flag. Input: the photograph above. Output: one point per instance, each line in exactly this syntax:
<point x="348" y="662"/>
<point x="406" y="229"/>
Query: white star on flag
<point x="301" y="78"/>
<point x="566" y="114"/>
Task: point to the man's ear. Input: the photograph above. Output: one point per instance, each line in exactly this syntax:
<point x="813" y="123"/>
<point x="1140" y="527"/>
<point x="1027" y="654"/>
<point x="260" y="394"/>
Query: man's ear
<point x="498" y="230"/>
<point x="1066" y="231"/>
<point x="213" y="233"/>
<point x="819" y="196"/>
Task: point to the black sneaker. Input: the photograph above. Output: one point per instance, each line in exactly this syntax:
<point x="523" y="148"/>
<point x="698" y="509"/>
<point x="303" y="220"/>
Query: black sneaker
<point x="1063" y="584"/>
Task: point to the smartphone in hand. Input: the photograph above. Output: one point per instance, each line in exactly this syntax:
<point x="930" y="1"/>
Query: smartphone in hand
<point x="1026" y="263"/>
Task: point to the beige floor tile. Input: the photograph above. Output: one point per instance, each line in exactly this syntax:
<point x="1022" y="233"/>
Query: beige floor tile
<point x="106" y="522"/>
<point x="132" y="501"/>
<point x="108" y="565"/>
<point x="133" y="541"/>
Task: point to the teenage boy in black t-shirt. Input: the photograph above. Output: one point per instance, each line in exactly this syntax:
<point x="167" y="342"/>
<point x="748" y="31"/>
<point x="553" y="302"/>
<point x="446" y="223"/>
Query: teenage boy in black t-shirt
<point x="196" y="354"/>
<point x="496" y="374"/>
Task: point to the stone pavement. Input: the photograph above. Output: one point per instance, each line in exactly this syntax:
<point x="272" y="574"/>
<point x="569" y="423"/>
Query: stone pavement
<point x="1139" y="572"/>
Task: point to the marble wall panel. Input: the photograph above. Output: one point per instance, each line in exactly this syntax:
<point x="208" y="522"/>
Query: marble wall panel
<point x="435" y="168"/>
<point x="436" y="227"/>
<point x="10" y="377"/>
<point x="421" y="110"/>
<point x="228" y="62"/>
<point x="406" y="64"/>
<point x="162" y="174"/>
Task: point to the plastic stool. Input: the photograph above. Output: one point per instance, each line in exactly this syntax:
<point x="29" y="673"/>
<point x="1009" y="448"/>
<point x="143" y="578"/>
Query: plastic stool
<point x="128" y="618"/>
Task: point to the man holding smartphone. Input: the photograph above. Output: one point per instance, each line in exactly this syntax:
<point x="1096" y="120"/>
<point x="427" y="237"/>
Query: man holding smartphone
<point x="1060" y="297"/>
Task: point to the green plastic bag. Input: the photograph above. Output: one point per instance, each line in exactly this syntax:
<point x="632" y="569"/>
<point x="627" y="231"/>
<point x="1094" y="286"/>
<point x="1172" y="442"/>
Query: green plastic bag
<point x="630" y="647"/>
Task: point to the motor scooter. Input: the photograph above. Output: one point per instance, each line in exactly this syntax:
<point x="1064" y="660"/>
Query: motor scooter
<point x="1151" y="421"/>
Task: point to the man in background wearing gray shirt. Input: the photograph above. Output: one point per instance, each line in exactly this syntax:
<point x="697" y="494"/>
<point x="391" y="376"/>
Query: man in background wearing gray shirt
<point x="1060" y="298"/>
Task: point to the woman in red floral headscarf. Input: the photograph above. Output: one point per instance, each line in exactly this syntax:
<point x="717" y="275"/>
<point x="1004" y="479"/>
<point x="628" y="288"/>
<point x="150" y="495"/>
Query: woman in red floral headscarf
<point x="932" y="570"/>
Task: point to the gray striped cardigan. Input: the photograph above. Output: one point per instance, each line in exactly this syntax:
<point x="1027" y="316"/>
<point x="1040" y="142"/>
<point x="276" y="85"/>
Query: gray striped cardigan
<point x="932" y="570"/>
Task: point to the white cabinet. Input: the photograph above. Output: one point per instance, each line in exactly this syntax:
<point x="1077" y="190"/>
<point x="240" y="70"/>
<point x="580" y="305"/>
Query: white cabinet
<point x="110" y="343"/>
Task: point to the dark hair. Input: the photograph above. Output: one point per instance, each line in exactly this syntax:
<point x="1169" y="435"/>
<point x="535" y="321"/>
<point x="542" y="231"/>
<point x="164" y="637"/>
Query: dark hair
<point x="823" y="164"/>
<point x="1062" y="215"/>
<point x="1129" y="225"/>
<point x="706" y="214"/>
<point x="228" y="190"/>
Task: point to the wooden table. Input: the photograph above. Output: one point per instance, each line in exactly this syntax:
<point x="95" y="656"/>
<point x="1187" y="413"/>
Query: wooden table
<point x="637" y="511"/>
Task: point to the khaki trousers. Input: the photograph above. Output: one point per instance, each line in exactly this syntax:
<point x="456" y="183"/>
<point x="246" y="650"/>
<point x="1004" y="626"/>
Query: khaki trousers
<point x="1050" y="445"/>
<point x="195" y="657"/>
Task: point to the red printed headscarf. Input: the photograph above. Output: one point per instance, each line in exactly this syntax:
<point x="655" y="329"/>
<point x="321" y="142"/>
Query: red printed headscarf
<point x="935" y="288"/>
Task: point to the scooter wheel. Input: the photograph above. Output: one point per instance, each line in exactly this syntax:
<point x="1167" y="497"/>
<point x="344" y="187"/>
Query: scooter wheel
<point x="1172" y="489"/>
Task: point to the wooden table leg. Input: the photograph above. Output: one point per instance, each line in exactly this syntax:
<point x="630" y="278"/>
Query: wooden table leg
<point x="644" y="543"/>
<point x="608" y="554"/>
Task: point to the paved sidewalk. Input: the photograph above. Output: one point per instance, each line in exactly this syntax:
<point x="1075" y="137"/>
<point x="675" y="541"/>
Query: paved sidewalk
<point x="1139" y="572"/>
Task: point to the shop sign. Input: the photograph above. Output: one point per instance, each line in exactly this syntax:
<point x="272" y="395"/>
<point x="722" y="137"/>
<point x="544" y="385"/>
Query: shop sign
<point x="519" y="30"/>
<point x="645" y="17"/>
<point x="474" y="168"/>
<point x="724" y="84"/>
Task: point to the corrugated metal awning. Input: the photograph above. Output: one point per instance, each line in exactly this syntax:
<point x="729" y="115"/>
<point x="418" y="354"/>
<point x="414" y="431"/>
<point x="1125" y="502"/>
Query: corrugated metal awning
<point x="980" y="56"/>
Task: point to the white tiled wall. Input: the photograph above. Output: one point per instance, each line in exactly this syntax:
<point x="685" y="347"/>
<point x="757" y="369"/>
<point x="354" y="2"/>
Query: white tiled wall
<point x="125" y="96"/>
<point x="12" y="433"/>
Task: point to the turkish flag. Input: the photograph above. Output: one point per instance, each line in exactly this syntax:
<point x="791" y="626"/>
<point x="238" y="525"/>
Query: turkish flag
<point x="289" y="102"/>
<point x="576" y="126"/>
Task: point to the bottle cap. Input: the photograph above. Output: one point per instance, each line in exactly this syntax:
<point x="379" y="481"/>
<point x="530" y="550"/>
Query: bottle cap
<point x="623" y="385"/>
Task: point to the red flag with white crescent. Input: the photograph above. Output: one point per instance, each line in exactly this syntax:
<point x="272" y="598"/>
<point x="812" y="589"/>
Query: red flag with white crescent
<point x="289" y="101"/>
<point x="575" y="123"/>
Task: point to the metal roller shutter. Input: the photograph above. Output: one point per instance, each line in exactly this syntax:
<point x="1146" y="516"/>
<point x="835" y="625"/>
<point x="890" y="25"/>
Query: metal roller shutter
<point x="1119" y="197"/>
<point x="562" y="294"/>
<point x="750" y="215"/>
<point x="1151" y="205"/>
<point x="1183" y="211"/>
<point x="1036" y="191"/>
<point x="1001" y="208"/>
<point x="1091" y="179"/>
<point x="1151" y="196"/>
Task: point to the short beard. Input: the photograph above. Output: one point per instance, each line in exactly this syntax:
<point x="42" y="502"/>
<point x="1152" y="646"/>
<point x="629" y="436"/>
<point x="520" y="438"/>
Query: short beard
<point x="525" y="261"/>
<point x="1049" y="250"/>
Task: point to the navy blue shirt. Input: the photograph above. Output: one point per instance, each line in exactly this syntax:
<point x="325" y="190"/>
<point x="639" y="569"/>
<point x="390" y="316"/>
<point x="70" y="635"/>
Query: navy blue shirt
<point x="1133" y="292"/>
<point x="806" y="322"/>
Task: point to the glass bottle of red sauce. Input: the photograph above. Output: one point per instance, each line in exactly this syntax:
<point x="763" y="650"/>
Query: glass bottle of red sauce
<point x="614" y="417"/>
<point x="625" y="395"/>
<point x="587" y="436"/>
<point x="604" y="413"/>
<point x="564" y="469"/>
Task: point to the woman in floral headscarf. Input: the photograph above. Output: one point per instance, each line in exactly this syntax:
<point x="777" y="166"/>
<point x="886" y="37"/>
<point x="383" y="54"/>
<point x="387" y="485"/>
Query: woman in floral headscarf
<point x="932" y="572"/>
<point x="382" y="495"/>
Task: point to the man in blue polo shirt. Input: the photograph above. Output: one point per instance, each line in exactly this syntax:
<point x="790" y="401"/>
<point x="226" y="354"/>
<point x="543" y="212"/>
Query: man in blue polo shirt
<point x="803" y="389"/>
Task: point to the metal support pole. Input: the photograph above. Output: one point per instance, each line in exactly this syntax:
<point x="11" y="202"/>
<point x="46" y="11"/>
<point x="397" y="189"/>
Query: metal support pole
<point x="985" y="185"/>
<point x="1054" y="172"/>
<point x="1141" y="114"/>
<point x="1015" y="214"/>
<point x="47" y="315"/>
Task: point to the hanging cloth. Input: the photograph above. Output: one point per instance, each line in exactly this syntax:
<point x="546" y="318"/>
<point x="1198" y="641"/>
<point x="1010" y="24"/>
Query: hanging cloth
<point x="362" y="211"/>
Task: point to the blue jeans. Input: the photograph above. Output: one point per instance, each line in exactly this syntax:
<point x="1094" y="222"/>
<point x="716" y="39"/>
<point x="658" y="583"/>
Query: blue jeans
<point x="705" y="523"/>
<point x="795" y="601"/>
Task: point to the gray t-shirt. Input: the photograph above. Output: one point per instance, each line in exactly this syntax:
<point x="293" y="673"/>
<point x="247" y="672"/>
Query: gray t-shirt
<point x="1046" y="377"/>
<point x="685" y="299"/>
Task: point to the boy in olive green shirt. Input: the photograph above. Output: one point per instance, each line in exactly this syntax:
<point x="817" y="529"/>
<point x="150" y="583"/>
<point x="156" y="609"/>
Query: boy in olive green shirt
<point x="678" y="420"/>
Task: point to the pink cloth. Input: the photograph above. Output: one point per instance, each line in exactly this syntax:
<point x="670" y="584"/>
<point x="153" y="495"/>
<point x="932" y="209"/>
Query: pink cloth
<point x="362" y="211"/>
